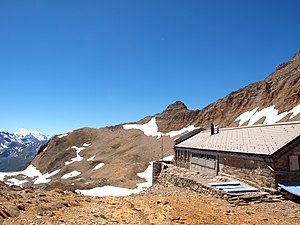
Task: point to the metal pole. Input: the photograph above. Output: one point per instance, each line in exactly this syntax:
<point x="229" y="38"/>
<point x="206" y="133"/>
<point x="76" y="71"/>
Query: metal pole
<point x="162" y="146"/>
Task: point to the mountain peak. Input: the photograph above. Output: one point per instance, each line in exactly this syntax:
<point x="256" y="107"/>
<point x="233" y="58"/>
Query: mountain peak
<point x="176" y="106"/>
<point x="22" y="132"/>
<point x="296" y="57"/>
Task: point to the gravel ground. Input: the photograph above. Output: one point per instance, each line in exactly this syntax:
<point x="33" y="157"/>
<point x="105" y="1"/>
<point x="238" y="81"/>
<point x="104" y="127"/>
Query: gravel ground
<point x="158" y="205"/>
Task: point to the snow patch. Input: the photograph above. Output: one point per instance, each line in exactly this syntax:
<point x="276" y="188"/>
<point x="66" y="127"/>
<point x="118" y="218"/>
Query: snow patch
<point x="78" y="158"/>
<point x="86" y="145"/>
<point x="270" y="113"/>
<point x="107" y="191"/>
<point x="63" y="135"/>
<point x="71" y="174"/>
<point x="176" y="133"/>
<point x="151" y="129"/>
<point x="168" y="158"/>
<point x="295" y="111"/>
<point x="4" y="174"/>
<point x="98" y="166"/>
<point x="245" y="116"/>
<point x="117" y="191"/>
<point x="91" y="158"/>
<point x="45" y="177"/>
<point x="32" y="172"/>
<point x="14" y="181"/>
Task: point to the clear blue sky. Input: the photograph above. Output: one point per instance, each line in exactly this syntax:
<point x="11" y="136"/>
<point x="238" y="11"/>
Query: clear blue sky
<point x="66" y="64"/>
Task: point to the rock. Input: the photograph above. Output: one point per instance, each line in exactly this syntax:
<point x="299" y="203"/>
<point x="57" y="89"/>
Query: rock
<point x="14" y="211"/>
<point x="11" y="211"/>
<point x="21" y="207"/>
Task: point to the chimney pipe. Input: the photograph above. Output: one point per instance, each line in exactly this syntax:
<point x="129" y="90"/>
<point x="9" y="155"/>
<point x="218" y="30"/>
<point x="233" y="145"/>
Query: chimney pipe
<point x="212" y="129"/>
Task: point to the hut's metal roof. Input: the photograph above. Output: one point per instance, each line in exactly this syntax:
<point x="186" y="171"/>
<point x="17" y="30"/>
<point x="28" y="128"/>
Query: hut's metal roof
<point x="258" y="139"/>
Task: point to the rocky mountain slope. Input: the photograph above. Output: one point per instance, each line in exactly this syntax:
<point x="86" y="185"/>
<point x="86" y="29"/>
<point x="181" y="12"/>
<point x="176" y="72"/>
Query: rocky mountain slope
<point x="280" y="89"/>
<point x="114" y="156"/>
<point x="18" y="149"/>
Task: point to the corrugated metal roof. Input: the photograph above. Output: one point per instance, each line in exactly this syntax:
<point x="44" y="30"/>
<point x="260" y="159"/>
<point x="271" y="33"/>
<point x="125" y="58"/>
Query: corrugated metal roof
<point x="258" y="139"/>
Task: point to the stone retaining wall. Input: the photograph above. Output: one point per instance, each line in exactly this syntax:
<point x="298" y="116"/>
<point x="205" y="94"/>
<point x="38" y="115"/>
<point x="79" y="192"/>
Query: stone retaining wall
<point x="188" y="179"/>
<point x="192" y="180"/>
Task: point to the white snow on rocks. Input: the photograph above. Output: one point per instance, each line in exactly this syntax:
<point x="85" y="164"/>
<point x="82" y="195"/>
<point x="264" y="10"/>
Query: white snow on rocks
<point x="117" y="191"/>
<point x="151" y="129"/>
<point x="78" y="158"/>
<point x="86" y="144"/>
<point x="107" y="191"/>
<point x="62" y="135"/>
<point x="246" y="116"/>
<point x="176" y="133"/>
<point x="32" y="172"/>
<point x="270" y="113"/>
<point x="71" y="174"/>
<point x="295" y="111"/>
<point x="168" y="158"/>
<point x="14" y="181"/>
<point x="98" y="166"/>
<point x="45" y="177"/>
<point x="91" y="158"/>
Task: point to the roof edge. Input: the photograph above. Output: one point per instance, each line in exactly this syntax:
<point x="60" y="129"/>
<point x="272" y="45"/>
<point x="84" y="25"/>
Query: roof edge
<point x="259" y="125"/>
<point x="188" y="135"/>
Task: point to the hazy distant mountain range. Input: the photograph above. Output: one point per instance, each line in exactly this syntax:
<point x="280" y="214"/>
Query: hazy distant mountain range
<point x="91" y="157"/>
<point x="18" y="149"/>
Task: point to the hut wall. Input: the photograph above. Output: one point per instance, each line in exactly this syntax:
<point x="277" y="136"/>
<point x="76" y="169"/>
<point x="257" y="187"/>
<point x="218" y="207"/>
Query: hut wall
<point x="254" y="171"/>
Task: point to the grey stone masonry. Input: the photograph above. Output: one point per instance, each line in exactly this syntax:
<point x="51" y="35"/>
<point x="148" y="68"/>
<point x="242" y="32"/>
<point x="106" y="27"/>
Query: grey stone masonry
<point x="195" y="181"/>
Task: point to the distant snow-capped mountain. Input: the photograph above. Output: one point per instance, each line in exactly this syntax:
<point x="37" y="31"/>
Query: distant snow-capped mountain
<point x="18" y="149"/>
<point x="22" y="132"/>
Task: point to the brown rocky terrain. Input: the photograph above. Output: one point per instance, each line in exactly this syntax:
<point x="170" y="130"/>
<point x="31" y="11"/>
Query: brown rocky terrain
<point x="158" y="205"/>
<point x="123" y="152"/>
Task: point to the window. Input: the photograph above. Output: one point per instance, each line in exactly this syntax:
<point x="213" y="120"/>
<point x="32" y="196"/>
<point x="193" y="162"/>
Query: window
<point x="294" y="162"/>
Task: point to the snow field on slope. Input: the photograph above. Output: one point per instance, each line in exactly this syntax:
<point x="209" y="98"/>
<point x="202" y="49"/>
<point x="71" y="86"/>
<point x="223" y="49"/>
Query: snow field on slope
<point x="151" y="129"/>
<point x="270" y="113"/>
<point x="117" y="191"/>
<point x="98" y="166"/>
<point x="78" y="158"/>
<point x="32" y="172"/>
<point x="74" y="173"/>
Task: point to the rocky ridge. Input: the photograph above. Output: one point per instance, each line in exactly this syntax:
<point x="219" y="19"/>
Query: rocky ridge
<point x="281" y="89"/>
